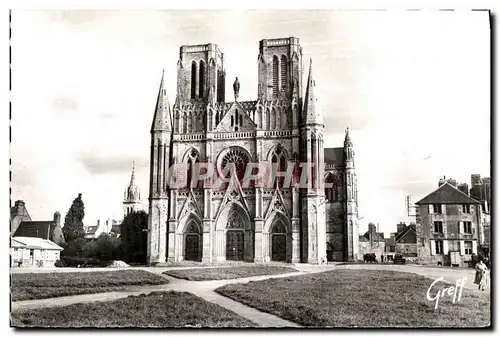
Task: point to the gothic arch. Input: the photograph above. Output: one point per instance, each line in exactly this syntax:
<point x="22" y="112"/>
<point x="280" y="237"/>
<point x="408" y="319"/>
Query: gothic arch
<point x="331" y="193"/>
<point x="273" y="218"/>
<point x="184" y="122"/>
<point x="276" y="76"/>
<point x="231" y="209"/>
<point x="234" y="235"/>
<point x="284" y="72"/>
<point x="190" y="122"/>
<point x="277" y="238"/>
<point x="191" y="157"/>
<point x="268" y="119"/>
<point x="201" y="90"/>
<point x="279" y="150"/>
<point x="193" y="79"/>
<point x="217" y="118"/>
<point x="189" y="239"/>
<point x="187" y="219"/>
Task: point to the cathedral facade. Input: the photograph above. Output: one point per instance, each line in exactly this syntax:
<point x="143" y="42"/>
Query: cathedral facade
<point x="284" y="220"/>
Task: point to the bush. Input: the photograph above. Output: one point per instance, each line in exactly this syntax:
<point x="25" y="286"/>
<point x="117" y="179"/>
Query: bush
<point x="72" y="261"/>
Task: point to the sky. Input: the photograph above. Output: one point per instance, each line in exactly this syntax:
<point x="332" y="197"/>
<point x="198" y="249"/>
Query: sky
<point x="412" y="86"/>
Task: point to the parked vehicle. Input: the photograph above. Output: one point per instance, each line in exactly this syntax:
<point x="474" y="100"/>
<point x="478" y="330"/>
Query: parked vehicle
<point x="369" y="257"/>
<point x="398" y="259"/>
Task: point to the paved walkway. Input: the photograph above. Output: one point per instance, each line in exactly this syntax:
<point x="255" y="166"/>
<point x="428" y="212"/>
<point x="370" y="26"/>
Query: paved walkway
<point x="205" y="289"/>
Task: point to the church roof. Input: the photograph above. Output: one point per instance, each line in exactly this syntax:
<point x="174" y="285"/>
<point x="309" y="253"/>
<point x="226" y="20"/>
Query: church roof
<point x="334" y="155"/>
<point x="447" y="194"/>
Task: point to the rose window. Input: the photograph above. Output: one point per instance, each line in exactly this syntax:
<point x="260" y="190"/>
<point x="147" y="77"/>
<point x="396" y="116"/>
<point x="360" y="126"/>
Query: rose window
<point x="237" y="158"/>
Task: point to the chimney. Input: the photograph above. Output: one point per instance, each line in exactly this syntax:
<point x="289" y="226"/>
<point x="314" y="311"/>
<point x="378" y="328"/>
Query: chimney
<point x="401" y="226"/>
<point x="19" y="206"/>
<point x="464" y="188"/>
<point x="57" y="218"/>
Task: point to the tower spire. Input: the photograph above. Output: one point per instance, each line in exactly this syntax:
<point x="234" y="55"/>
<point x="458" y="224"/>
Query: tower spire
<point x="162" y="120"/>
<point x="311" y="116"/>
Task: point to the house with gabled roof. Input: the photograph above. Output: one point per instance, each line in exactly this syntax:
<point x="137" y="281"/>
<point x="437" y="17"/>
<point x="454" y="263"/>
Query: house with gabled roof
<point x="448" y="227"/>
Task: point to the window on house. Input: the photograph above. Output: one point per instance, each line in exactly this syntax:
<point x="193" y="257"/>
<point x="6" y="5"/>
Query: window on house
<point x="437" y="208"/>
<point x="467" y="227"/>
<point x="468" y="247"/>
<point x="438" y="226"/>
<point x="439" y="247"/>
<point x="466" y="209"/>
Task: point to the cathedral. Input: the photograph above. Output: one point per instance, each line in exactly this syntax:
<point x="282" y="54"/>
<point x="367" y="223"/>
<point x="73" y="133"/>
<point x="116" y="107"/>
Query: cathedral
<point x="286" y="222"/>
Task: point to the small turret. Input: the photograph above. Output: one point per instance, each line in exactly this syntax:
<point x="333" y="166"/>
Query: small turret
<point x="348" y="147"/>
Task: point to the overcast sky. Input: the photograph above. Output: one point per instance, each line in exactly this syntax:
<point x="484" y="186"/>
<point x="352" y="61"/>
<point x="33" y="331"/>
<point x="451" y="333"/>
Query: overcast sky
<point x="414" y="88"/>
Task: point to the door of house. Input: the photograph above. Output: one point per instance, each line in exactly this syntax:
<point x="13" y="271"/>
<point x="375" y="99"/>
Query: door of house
<point x="32" y="257"/>
<point x="235" y="245"/>
<point x="278" y="247"/>
<point x="192" y="247"/>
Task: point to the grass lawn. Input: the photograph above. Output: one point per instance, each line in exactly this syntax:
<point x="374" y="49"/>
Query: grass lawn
<point x="158" y="309"/>
<point x="362" y="298"/>
<point x="47" y="285"/>
<point x="224" y="273"/>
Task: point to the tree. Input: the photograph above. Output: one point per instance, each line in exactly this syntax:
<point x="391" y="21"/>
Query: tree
<point x="134" y="236"/>
<point x="75" y="247"/>
<point x="73" y="222"/>
<point x="105" y="248"/>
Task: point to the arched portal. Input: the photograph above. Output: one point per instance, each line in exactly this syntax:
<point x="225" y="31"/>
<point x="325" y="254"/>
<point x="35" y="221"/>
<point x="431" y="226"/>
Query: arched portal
<point x="277" y="238"/>
<point x="234" y="235"/>
<point x="193" y="242"/>
<point x="278" y="241"/>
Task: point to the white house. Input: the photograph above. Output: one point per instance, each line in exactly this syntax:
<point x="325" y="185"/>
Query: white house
<point x="27" y="252"/>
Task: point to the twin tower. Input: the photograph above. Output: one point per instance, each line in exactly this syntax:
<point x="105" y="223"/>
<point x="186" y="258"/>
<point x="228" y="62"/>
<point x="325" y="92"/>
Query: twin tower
<point x="260" y="223"/>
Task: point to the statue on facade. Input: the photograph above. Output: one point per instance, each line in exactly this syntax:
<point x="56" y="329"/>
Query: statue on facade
<point x="236" y="88"/>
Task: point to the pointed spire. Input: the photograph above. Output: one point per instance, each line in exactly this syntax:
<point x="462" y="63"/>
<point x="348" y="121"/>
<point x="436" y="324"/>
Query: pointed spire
<point x="348" y="147"/>
<point x="132" y="177"/>
<point x="162" y="120"/>
<point x="310" y="114"/>
<point x="132" y="191"/>
<point x="347" y="136"/>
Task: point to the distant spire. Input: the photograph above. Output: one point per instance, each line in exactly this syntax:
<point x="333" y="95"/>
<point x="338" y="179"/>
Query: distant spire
<point x="132" y="190"/>
<point x="310" y="114"/>
<point x="132" y="177"/>
<point x="162" y="120"/>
